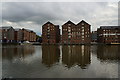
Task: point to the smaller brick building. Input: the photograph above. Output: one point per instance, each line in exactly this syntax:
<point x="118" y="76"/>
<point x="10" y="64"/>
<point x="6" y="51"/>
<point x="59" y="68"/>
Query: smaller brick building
<point x="28" y="35"/>
<point x="50" y="33"/>
<point x="94" y="36"/>
<point x="7" y="34"/>
<point x="108" y="34"/>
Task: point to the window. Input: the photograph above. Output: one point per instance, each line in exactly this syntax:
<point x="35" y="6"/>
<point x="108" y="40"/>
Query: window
<point x="69" y="30"/>
<point x="68" y="27"/>
<point x="69" y="36"/>
<point x="106" y="35"/>
<point x="82" y="30"/>
<point x="82" y="23"/>
<point x="82" y="27"/>
<point x="82" y="33"/>
<point x="82" y="37"/>
<point x="69" y="33"/>
<point x="69" y="24"/>
<point x="48" y="28"/>
<point x="48" y="24"/>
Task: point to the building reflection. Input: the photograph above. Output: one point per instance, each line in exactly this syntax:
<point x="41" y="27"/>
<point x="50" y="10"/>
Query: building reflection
<point x="50" y="54"/>
<point x="16" y="52"/>
<point x="76" y="55"/>
<point x="108" y="52"/>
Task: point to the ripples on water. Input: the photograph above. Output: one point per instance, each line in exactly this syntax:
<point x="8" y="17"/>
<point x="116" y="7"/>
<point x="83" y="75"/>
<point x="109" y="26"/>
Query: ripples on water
<point x="67" y="61"/>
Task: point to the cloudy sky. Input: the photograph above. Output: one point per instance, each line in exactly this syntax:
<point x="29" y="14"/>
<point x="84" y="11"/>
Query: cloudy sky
<point x="32" y="15"/>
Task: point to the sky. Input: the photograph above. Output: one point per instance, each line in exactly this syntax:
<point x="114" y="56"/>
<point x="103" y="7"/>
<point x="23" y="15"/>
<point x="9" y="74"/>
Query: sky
<point x="32" y="15"/>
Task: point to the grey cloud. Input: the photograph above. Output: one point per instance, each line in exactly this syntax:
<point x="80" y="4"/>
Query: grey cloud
<point x="96" y="13"/>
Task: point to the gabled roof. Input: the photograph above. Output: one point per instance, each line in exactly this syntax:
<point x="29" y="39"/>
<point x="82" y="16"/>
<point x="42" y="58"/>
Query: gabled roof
<point x="83" y="22"/>
<point x="17" y="29"/>
<point x="6" y="27"/>
<point x="48" y="23"/>
<point x="110" y="27"/>
<point x="69" y="22"/>
<point x="27" y="30"/>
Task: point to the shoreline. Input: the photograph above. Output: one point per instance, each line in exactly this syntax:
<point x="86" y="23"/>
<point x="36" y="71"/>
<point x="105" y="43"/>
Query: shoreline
<point x="57" y="44"/>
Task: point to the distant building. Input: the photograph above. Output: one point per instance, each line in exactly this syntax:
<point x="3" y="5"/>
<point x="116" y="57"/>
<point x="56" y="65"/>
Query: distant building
<point x="18" y="35"/>
<point x="28" y="35"/>
<point x="38" y="39"/>
<point x="7" y="34"/>
<point x="25" y="35"/>
<point x="94" y="36"/>
<point x="32" y="36"/>
<point x="76" y="34"/>
<point x="109" y="34"/>
<point x="50" y="33"/>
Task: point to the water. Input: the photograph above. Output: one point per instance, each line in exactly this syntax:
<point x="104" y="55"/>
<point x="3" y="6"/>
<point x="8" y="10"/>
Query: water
<point x="65" y="61"/>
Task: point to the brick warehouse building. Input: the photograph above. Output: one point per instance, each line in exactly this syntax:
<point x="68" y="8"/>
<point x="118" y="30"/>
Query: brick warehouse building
<point x="18" y="35"/>
<point x="76" y="34"/>
<point x="50" y="33"/>
<point x="7" y="34"/>
<point x="28" y="35"/>
<point x="108" y="34"/>
<point x="94" y="36"/>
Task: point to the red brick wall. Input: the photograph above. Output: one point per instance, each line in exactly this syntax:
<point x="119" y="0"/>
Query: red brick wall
<point x="50" y="33"/>
<point x="72" y="34"/>
<point x="108" y="38"/>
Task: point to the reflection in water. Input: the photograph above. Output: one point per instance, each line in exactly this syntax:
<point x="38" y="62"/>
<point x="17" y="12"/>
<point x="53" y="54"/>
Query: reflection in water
<point x="11" y="52"/>
<point x="108" y="52"/>
<point x="27" y="61"/>
<point x="76" y="55"/>
<point x="50" y="54"/>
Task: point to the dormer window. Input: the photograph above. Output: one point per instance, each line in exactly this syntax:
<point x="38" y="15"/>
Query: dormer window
<point x="82" y="23"/>
<point x="48" y="24"/>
